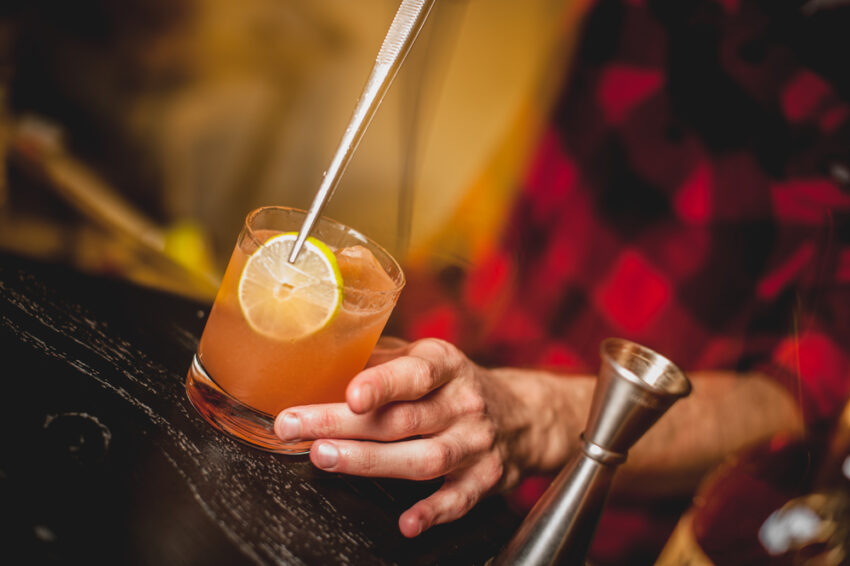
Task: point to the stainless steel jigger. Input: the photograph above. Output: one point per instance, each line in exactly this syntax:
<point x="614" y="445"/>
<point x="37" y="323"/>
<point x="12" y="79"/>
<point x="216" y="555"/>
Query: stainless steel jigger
<point x="634" y="388"/>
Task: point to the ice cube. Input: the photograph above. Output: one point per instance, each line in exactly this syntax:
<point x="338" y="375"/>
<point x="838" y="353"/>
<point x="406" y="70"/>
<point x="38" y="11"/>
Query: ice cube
<point x="361" y="270"/>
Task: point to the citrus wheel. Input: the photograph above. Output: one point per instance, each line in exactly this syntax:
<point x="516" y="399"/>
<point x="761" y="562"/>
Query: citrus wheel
<point x="288" y="301"/>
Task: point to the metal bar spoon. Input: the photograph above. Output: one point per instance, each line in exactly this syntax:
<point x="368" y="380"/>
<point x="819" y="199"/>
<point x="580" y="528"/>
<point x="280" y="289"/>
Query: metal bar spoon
<point x="407" y="23"/>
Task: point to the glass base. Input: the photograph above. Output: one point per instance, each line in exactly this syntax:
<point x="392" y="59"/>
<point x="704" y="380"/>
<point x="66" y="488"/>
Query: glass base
<point x="234" y="418"/>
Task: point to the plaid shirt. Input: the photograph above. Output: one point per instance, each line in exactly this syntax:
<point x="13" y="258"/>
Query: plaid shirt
<point x="691" y="193"/>
<point x="698" y="204"/>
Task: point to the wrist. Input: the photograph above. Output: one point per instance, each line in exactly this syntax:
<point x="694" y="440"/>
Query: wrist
<point x="547" y="413"/>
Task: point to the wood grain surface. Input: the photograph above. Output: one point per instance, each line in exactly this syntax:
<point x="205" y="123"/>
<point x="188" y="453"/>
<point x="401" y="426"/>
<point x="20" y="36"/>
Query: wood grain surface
<point x="104" y="461"/>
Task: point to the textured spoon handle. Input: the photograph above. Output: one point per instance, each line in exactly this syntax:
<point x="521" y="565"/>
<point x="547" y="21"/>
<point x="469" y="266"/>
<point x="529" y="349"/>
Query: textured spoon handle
<point x="408" y="20"/>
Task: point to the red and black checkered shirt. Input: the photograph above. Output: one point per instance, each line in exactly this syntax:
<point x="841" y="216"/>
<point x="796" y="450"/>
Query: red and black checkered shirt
<point x="691" y="193"/>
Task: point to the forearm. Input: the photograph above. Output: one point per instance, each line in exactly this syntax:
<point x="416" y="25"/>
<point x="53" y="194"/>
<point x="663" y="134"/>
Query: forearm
<point x="724" y="413"/>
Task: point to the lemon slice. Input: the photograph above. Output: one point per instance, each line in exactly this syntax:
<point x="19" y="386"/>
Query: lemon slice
<point x="288" y="301"/>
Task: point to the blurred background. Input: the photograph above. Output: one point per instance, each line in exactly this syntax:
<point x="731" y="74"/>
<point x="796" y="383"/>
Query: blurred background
<point x="137" y="134"/>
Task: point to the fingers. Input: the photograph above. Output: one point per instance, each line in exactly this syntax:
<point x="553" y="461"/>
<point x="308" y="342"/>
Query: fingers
<point x="420" y="458"/>
<point x="407" y="373"/>
<point x="453" y="500"/>
<point x="416" y="459"/>
<point x="418" y="411"/>
<point x="393" y="422"/>
<point x="380" y="399"/>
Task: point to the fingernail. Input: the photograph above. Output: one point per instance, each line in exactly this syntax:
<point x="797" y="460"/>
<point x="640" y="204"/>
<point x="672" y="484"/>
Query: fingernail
<point x="290" y="427"/>
<point x="327" y="455"/>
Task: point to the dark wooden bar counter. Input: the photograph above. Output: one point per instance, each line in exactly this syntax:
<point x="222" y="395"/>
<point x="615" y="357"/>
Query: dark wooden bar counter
<point x="104" y="461"/>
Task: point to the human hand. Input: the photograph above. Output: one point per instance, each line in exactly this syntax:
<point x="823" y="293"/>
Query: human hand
<point x="419" y="411"/>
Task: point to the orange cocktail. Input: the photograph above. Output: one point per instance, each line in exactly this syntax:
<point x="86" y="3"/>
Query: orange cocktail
<point x="280" y="335"/>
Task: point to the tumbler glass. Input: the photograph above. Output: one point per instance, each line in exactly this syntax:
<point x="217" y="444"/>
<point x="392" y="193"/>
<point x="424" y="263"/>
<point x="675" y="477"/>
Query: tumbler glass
<point x="258" y="356"/>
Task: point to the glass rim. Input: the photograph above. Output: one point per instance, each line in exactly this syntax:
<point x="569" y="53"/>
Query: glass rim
<point x="399" y="281"/>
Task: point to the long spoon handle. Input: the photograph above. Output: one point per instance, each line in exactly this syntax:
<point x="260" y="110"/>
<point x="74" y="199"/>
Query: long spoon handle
<point x="408" y="21"/>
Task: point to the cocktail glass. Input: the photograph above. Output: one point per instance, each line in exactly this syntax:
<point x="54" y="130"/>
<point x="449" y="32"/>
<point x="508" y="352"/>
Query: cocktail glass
<point x="241" y="378"/>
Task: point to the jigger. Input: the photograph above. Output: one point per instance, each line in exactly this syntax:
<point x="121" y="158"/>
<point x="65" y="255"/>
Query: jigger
<point x="635" y="387"/>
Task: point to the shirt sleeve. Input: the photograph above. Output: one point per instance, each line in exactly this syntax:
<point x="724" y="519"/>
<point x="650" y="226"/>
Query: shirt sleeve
<point x="812" y="358"/>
